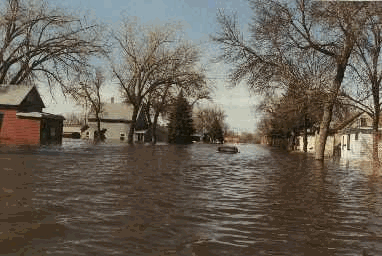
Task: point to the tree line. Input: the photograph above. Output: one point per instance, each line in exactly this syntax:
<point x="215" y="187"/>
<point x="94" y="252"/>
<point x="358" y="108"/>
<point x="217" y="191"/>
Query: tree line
<point x="312" y="60"/>
<point x="150" y="64"/>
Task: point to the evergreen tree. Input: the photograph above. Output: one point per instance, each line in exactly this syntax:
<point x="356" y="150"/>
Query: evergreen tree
<point x="216" y="132"/>
<point x="180" y="127"/>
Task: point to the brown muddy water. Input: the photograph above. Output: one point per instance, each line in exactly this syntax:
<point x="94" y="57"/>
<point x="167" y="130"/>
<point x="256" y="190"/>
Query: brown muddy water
<point x="114" y="199"/>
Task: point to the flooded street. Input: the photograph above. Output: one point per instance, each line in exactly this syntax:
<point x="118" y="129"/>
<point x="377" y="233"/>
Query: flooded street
<point x="83" y="199"/>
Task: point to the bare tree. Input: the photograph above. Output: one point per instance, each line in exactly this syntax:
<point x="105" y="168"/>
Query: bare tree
<point x="163" y="98"/>
<point x="182" y="66"/>
<point x="305" y="78"/>
<point x="87" y="90"/>
<point x="142" y="56"/>
<point x="38" y="41"/>
<point x="367" y="70"/>
<point x="207" y="119"/>
<point x="159" y="101"/>
<point x="330" y="28"/>
<point x="154" y="61"/>
<point x="74" y="118"/>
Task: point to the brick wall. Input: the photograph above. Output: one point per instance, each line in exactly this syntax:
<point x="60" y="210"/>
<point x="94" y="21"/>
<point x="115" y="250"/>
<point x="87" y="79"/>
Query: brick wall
<point x="17" y="130"/>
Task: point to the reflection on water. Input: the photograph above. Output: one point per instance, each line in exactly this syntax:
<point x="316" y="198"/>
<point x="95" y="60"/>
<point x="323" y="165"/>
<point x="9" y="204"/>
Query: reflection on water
<point x="83" y="199"/>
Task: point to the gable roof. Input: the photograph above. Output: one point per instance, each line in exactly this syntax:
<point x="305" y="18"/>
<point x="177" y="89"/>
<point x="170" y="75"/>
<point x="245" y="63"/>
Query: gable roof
<point x="347" y="122"/>
<point x="14" y="94"/>
<point x="116" y="111"/>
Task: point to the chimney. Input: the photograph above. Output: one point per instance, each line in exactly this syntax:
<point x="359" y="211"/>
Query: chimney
<point x="112" y="100"/>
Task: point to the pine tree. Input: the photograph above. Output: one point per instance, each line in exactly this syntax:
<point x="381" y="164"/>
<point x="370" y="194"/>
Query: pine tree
<point x="180" y="128"/>
<point x="216" y="132"/>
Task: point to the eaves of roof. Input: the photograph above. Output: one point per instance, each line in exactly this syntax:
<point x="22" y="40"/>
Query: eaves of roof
<point x="39" y="115"/>
<point x="345" y="123"/>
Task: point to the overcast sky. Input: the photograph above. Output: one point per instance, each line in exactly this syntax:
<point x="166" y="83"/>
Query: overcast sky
<point x="199" y="21"/>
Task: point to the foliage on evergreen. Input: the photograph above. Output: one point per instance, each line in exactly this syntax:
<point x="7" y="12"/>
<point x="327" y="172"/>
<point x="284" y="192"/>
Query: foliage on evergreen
<point x="180" y="127"/>
<point x="209" y="122"/>
<point x="216" y="132"/>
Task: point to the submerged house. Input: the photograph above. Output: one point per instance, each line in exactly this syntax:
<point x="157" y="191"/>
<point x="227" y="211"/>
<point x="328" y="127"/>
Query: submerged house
<point x="332" y="145"/>
<point x="336" y="143"/>
<point x="116" y="120"/>
<point x="357" y="138"/>
<point x="22" y="121"/>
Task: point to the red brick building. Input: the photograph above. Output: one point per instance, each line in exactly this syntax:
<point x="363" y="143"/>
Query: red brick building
<point x="22" y="121"/>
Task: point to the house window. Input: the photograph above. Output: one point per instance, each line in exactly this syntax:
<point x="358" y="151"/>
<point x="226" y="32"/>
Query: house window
<point x="348" y="143"/>
<point x="122" y="136"/>
<point x="87" y="134"/>
<point x="356" y="136"/>
<point x="1" y="119"/>
<point x="363" y="122"/>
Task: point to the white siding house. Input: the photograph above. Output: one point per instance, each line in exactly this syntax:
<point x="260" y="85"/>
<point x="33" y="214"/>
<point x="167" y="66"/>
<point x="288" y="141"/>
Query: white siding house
<point x="116" y="118"/>
<point x="331" y="142"/>
<point x="357" y="139"/>
<point x="356" y="145"/>
<point x="337" y="140"/>
<point x="311" y="143"/>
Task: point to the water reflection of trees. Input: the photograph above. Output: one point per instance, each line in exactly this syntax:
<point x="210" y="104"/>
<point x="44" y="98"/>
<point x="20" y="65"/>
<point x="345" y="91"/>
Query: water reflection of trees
<point x="317" y="207"/>
<point x="373" y="202"/>
<point x="298" y="206"/>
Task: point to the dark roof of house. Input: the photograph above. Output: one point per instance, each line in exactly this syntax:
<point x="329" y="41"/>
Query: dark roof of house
<point x="14" y="94"/>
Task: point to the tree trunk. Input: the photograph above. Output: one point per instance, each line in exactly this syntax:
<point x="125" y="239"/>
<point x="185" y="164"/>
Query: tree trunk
<point x="147" y="109"/>
<point x="154" y="130"/>
<point x="375" y="138"/>
<point x="130" y="137"/>
<point x="375" y="146"/>
<point x="98" y="138"/>
<point x="328" y="110"/>
<point x="324" y="130"/>
<point x="342" y="62"/>
<point x="293" y="141"/>
<point x="377" y="111"/>
<point x="305" y="136"/>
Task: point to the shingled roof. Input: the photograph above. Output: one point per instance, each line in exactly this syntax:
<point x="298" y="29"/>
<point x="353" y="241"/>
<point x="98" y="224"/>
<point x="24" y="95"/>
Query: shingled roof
<point x="116" y="111"/>
<point x="14" y="94"/>
<point x="346" y="122"/>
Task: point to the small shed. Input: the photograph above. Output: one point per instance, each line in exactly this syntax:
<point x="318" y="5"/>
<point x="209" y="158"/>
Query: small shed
<point x="22" y="121"/>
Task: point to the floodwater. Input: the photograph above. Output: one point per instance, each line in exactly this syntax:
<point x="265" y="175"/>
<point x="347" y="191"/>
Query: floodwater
<point x="115" y="199"/>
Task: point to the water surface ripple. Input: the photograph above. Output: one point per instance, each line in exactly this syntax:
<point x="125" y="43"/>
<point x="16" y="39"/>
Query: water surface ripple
<point x="115" y="199"/>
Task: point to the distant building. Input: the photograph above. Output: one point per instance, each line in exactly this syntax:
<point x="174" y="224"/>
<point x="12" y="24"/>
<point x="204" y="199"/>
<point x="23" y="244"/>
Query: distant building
<point x="22" y="120"/>
<point x="116" y="118"/>
<point x="231" y="139"/>
<point x="71" y="130"/>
